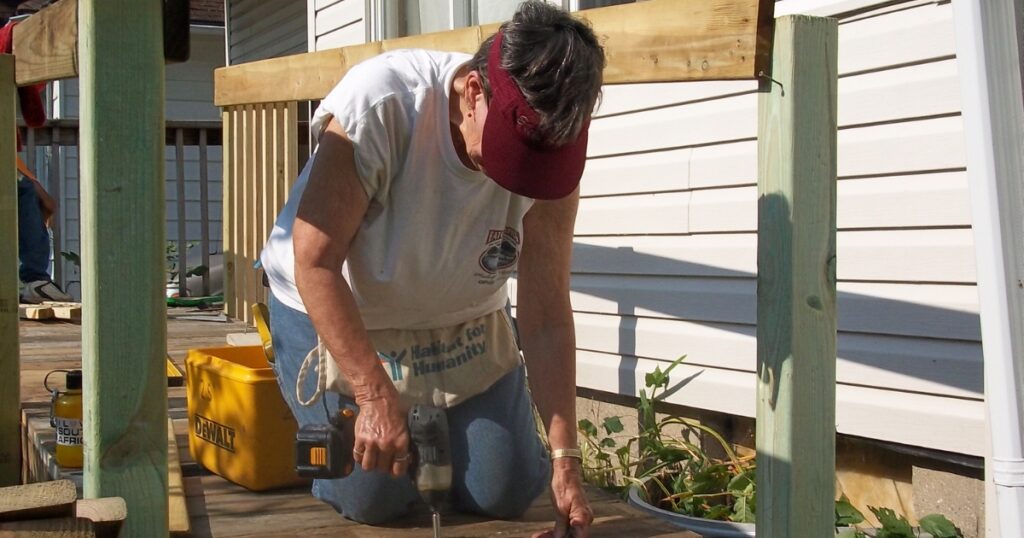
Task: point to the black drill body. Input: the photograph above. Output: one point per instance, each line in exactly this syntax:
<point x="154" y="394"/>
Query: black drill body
<point x="324" y="451"/>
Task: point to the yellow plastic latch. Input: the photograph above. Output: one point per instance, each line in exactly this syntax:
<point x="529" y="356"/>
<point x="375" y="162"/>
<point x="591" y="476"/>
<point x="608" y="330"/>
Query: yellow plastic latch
<point x="261" y="317"/>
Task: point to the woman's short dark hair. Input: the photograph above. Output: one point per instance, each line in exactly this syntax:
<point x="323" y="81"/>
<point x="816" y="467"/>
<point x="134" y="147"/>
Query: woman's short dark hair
<point x="557" y="62"/>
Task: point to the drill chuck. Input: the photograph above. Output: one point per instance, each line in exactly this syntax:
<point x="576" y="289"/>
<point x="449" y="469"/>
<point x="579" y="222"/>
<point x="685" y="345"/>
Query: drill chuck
<point x="428" y="429"/>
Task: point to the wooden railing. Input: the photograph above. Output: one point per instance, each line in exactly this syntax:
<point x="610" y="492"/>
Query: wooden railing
<point x="261" y="160"/>
<point x="58" y="134"/>
<point x="658" y="40"/>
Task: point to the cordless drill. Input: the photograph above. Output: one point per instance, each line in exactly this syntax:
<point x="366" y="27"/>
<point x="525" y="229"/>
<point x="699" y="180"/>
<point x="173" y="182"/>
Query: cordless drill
<point x="324" y="451"/>
<point x="428" y="429"/>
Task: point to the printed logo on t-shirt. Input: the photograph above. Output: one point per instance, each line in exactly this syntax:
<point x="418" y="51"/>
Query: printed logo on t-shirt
<point x="501" y="251"/>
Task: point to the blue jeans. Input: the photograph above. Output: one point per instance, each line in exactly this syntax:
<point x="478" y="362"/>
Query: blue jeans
<point x="33" y="238"/>
<point x="499" y="464"/>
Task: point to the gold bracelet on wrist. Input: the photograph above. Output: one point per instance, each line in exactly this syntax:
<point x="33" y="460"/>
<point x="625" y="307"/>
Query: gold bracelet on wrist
<point x="567" y="453"/>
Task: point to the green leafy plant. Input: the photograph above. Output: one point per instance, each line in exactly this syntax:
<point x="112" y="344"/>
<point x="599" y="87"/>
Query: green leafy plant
<point x="894" y="525"/>
<point x="675" y="470"/>
<point x="677" y="474"/>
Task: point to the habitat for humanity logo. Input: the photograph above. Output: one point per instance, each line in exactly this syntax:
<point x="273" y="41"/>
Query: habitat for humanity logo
<point x="502" y="250"/>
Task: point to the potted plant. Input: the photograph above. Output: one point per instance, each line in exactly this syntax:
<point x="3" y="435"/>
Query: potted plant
<point x="664" y="471"/>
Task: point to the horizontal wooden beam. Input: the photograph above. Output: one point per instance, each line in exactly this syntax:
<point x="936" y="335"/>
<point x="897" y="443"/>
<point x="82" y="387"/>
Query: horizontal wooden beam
<point x="654" y="41"/>
<point x="46" y="44"/>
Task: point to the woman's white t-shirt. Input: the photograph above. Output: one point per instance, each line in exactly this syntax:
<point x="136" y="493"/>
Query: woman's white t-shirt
<point x="439" y="241"/>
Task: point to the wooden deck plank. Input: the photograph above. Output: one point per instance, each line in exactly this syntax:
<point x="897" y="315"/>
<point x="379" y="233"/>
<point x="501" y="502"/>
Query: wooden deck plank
<point x="178" y="520"/>
<point x="219" y="508"/>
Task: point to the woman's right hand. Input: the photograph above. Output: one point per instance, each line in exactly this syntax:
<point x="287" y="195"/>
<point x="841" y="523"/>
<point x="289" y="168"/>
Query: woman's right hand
<point x="382" y="433"/>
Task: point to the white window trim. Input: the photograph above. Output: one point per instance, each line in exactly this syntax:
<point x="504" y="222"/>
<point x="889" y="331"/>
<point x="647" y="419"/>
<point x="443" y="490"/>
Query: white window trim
<point x="827" y="8"/>
<point x="460" y="14"/>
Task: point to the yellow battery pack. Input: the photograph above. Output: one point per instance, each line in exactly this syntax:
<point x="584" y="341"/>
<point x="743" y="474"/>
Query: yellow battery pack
<point x="239" y="425"/>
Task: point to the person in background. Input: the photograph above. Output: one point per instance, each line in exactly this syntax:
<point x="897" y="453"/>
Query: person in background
<point x="35" y="210"/>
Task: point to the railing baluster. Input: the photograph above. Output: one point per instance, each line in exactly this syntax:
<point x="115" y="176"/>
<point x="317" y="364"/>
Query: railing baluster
<point x="179" y="162"/>
<point x="204" y="210"/>
<point x="54" y="187"/>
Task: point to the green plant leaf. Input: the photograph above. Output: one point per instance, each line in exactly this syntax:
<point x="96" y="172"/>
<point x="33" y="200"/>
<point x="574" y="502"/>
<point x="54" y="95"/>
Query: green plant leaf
<point x="613" y="425"/>
<point x="940" y="527"/>
<point x="741" y="511"/>
<point x="742" y="482"/>
<point x="671" y="454"/>
<point x="713" y="479"/>
<point x="587" y="428"/>
<point x="655" y="379"/>
<point x="893" y="526"/>
<point x="607" y="442"/>
<point x="720" y="512"/>
<point x="71" y="256"/>
<point x="846" y="513"/>
<point x="673" y="365"/>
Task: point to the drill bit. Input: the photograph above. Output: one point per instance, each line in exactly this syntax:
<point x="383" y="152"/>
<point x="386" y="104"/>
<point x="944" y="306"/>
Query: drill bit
<point x="437" y="524"/>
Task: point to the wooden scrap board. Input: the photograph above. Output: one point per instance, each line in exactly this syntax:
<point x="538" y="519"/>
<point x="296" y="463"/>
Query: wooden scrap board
<point x="65" y="527"/>
<point x="51" y="310"/>
<point x="177" y="510"/>
<point x="65" y="311"/>
<point x="35" y="311"/>
<point x="35" y="501"/>
<point x="41" y="465"/>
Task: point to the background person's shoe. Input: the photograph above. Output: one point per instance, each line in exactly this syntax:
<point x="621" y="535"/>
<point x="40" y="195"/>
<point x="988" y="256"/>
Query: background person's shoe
<point x="44" y="290"/>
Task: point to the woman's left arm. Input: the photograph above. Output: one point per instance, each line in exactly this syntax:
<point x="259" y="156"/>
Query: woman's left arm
<point x="548" y="338"/>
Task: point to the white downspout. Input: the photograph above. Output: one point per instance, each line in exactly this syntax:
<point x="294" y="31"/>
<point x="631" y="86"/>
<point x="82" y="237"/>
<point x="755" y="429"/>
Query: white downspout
<point x="989" y="56"/>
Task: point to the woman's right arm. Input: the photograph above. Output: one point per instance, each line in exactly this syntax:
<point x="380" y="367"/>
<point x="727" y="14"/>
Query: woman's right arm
<point x="329" y="215"/>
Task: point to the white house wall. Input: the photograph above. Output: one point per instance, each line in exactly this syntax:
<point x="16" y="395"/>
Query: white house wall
<point x="189" y="97"/>
<point x="336" y="23"/>
<point x="258" y="29"/>
<point x="665" y="253"/>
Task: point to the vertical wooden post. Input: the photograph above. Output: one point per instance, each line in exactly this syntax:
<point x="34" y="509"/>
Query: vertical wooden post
<point x="10" y="366"/>
<point x="124" y="332"/>
<point x="228" y="199"/>
<point x="796" y="294"/>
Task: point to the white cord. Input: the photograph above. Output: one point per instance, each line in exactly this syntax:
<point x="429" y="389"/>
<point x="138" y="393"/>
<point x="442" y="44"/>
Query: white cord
<point x="316" y="354"/>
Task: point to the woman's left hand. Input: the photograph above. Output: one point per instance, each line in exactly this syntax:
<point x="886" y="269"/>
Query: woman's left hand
<point x="573" y="515"/>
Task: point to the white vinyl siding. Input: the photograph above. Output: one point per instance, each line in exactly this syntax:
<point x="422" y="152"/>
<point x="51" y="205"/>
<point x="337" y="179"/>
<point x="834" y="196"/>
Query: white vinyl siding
<point x="336" y="23"/>
<point x="259" y="29"/>
<point x="188" y="86"/>
<point x="665" y="252"/>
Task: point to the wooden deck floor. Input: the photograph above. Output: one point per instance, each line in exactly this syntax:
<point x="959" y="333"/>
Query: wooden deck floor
<point x="219" y="508"/>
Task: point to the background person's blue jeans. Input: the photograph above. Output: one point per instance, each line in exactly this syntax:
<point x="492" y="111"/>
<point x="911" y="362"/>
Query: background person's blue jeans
<point x="499" y="463"/>
<point x="33" y="238"/>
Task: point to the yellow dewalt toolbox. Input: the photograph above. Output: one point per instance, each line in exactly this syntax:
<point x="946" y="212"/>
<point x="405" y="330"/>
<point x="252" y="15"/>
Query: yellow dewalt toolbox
<point x="239" y="425"/>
